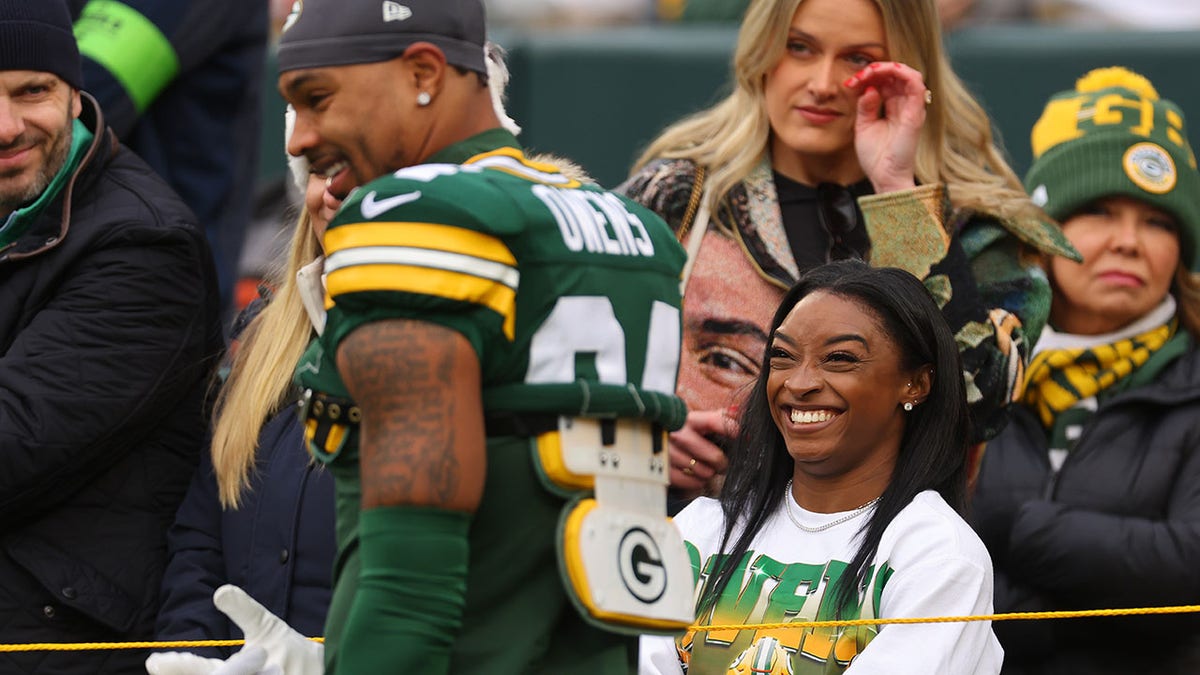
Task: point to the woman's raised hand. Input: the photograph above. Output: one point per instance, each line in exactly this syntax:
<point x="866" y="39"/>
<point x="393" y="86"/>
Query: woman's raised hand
<point x="697" y="462"/>
<point x="891" y="111"/>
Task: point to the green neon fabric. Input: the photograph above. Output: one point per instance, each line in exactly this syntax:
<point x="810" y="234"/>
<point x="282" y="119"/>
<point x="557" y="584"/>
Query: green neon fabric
<point x="130" y="46"/>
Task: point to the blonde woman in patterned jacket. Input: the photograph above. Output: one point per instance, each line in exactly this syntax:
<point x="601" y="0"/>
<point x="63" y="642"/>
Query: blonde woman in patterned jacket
<point x="846" y="135"/>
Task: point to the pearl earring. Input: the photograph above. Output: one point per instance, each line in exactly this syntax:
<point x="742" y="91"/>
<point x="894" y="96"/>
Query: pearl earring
<point x="908" y="406"/>
<point x="424" y="99"/>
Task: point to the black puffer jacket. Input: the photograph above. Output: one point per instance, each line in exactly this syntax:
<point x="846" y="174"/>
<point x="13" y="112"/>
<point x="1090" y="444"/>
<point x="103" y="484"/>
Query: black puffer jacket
<point x="108" y="330"/>
<point x="1119" y="526"/>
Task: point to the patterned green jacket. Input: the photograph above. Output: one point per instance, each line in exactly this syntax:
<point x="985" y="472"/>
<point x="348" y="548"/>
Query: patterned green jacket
<point x="982" y="270"/>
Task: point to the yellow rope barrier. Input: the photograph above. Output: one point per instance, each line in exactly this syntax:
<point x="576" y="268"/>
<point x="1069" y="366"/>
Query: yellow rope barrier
<point x="95" y="646"/>
<point x="1012" y="616"/>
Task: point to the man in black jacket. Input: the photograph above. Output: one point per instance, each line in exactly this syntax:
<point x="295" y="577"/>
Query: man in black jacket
<point x="108" y="327"/>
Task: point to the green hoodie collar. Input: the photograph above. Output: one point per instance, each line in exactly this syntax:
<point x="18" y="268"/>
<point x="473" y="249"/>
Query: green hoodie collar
<point x="19" y="221"/>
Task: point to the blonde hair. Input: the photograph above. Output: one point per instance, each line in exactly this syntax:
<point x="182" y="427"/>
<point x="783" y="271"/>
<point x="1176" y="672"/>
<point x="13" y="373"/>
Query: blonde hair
<point x="955" y="148"/>
<point x="261" y="374"/>
<point x="1187" y="298"/>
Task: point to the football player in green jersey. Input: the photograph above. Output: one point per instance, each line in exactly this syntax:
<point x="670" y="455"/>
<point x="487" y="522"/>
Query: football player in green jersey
<point x="496" y="374"/>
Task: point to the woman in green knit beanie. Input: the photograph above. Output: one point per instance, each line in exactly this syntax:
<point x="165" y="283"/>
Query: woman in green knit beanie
<point x="1090" y="498"/>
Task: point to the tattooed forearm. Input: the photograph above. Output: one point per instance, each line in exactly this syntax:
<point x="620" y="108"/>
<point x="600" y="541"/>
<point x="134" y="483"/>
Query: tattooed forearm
<point x="417" y="384"/>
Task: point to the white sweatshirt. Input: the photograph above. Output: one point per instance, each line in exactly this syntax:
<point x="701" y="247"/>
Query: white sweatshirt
<point x="929" y="564"/>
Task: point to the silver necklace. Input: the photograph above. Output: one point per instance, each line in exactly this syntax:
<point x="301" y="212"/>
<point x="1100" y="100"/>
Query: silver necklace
<point x="789" y="499"/>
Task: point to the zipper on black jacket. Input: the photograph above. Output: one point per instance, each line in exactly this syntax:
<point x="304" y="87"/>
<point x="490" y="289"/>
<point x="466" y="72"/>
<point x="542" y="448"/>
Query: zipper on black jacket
<point x="1052" y="480"/>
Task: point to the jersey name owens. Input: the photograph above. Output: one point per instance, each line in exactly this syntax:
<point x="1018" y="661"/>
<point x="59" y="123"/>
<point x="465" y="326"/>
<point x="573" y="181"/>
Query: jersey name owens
<point x="596" y="222"/>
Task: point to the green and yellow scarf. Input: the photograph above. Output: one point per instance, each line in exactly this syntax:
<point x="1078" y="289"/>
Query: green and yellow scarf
<point x="1058" y="379"/>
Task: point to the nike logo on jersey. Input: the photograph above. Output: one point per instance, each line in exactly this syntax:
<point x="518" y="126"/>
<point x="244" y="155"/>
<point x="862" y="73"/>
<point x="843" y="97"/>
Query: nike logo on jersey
<point x="372" y="209"/>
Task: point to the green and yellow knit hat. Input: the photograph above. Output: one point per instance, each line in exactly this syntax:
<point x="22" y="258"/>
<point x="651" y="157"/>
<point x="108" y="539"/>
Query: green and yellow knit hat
<point x="1113" y="136"/>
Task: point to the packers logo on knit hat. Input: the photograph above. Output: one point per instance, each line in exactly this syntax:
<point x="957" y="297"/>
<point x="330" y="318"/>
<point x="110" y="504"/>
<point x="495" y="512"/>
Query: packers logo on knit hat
<point x="1150" y="167"/>
<point x="1112" y="135"/>
<point x="323" y="33"/>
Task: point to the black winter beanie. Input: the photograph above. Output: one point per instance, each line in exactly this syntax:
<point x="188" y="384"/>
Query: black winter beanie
<point x="37" y="35"/>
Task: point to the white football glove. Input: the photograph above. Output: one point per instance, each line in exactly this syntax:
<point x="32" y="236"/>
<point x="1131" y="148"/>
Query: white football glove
<point x="272" y="647"/>
<point x="248" y="661"/>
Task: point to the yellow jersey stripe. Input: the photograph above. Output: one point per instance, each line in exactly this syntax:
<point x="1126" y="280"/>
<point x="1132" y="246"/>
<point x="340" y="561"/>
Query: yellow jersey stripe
<point x="422" y="257"/>
<point x="513" y="153"/>
<point x="512" y="161"/>
<point x="442" y="283"/>
<point x="418" y="235"/>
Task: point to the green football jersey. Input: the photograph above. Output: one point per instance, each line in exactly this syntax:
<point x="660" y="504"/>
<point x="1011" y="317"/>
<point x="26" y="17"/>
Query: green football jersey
<point x="570" y="297"/>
